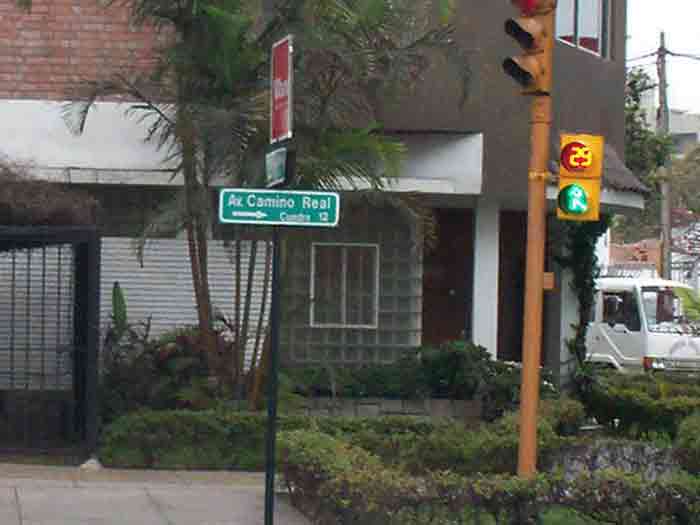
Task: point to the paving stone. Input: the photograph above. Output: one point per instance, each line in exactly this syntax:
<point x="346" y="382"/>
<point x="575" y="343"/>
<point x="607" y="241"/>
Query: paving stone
<point x="93" y="505"/>
<point x="9" y="513"/>
<point x="70" y="496"/>
<point x="220" y="506"/>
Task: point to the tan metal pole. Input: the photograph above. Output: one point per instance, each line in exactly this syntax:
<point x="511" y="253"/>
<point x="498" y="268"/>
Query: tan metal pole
<point x="534" y="272"/>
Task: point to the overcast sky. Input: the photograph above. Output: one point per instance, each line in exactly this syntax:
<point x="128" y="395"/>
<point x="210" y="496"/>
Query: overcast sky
<point x="679" y="19"/>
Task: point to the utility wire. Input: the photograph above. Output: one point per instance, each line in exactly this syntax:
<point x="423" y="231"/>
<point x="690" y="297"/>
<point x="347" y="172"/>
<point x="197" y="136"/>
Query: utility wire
<point x="654" y="53"/>
<point x="683" y="55"/>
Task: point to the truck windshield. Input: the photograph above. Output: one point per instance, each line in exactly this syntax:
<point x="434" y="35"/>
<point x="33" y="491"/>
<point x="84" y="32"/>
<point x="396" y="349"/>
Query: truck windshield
<point x="663" y="310"/>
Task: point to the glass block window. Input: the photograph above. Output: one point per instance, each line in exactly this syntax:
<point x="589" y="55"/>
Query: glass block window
<point x="344" y="285"/>
<point x="585" y="24"/>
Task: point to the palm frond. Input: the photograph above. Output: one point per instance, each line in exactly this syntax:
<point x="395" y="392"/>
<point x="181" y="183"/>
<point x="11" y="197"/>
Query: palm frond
<point x="165" y="221"/>
<point x="349" y="159"/>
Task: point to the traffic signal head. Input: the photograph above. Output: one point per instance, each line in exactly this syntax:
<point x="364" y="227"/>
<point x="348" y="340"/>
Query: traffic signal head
<point x="580" y="170"/>
<point x="533" y="31"/>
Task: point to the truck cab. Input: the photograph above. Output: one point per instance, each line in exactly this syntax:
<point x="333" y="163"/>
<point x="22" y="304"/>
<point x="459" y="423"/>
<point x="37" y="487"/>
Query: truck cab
<point x="638" y="324"/>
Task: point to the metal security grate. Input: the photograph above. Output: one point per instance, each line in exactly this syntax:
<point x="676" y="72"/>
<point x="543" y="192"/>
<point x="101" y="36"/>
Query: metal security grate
<point x="49" y="330"/>
<point x="36" y="318"/>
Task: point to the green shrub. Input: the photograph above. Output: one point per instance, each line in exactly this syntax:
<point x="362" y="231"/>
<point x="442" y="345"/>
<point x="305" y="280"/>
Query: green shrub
<point x="164" y="439"/>
<point x="337" y="483"/>
<point x="501" y="388"/>
<point x="174" y="438"/>
<point x="489" y="449"/>
<point x="166" y="373"/>
<point x="639" y="406"/>
<point x="454" y="370"/>
<point x="687" y="446"/>
<point x="206" y="439"/>
<point x="402" y="379"/>
<point x="566" y="415"/>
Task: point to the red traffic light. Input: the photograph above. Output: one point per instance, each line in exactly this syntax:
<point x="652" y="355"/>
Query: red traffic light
<point x="532" y="7"/>
<point x="576" y="156"/>
<point x="527" y="7"/>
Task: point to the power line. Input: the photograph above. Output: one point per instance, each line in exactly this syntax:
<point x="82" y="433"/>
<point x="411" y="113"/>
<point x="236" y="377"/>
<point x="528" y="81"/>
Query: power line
<point x="654" y="53"/>
<point x="684" y="55"/>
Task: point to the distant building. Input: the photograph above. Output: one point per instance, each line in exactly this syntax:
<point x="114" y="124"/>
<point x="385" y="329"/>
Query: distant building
<point x="684" y="126"/>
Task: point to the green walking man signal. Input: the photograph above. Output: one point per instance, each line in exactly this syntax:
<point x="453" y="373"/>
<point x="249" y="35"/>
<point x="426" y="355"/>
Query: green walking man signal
<point x="580" y="170"/>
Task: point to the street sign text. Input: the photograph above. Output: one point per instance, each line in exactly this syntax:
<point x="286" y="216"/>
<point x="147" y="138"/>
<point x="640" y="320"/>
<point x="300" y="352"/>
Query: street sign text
<point x="285" y="208"/>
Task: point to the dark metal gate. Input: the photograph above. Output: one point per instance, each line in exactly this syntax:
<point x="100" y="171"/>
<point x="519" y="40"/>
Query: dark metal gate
<point x="49" y="333"/>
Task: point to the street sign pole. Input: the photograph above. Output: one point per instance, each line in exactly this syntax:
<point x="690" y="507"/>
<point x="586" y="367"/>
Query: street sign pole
<point x="278" y="169"/>
<point x="272" y="382"/>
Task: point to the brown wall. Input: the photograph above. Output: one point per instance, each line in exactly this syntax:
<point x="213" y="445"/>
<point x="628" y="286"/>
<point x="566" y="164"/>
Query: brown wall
<point x="60" y="42"/>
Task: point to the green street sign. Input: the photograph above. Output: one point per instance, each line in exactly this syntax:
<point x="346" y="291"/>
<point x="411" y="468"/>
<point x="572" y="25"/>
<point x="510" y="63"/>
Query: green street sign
<point x="283" y="208"/>
<point x="276" y="167"/>
<point x="573" y="199"/>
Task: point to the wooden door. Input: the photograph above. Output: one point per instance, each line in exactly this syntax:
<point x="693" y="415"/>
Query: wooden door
<point x="447" y="278"/>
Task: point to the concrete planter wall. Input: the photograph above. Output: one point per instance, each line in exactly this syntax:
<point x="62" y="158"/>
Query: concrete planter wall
<point x="375" y="407"/>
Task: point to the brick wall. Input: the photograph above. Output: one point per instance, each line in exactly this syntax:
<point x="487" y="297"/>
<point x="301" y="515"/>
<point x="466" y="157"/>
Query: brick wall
<point x="60" y="42"/>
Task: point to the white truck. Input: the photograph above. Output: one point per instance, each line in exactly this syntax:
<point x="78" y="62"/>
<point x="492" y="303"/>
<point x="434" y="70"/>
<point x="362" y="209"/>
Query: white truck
<point x="639" y="324"/>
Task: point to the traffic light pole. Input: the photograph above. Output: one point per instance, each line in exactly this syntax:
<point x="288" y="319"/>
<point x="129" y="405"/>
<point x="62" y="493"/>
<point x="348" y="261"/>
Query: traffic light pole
<point x="534" y="284"/>
<point x="538" y="174"/>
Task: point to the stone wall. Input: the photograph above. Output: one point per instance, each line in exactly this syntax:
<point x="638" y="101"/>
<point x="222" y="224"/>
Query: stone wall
<point x="376" y="407"/>
<point x="627" y="456"/>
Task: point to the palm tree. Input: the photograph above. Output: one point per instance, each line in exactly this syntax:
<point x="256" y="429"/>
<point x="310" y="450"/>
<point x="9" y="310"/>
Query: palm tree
<point x="205" y="102"/>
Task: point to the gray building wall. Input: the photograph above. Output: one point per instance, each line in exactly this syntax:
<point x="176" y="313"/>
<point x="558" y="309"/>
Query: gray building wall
<point x="161" y="288"/>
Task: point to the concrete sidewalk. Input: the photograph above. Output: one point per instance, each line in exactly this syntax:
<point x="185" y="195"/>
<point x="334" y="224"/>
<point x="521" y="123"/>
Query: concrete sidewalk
<point x="40" y="495"/>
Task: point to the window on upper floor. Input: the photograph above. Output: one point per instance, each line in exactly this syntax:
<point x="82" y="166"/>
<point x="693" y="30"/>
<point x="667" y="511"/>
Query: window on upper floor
<point x="585" y="24"/>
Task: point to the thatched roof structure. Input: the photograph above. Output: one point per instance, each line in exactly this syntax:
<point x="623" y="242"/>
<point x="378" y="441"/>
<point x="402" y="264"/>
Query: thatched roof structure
<point x="26" y="201"/>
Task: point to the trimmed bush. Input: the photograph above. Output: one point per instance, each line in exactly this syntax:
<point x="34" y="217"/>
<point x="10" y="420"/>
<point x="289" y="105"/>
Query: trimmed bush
<point x="223" y="439"/>
<point x="639" y="406"/>
<point x="189" y="439"/>
<point x="489" y="449"/>
<point x="566" y="415"/>
<point x="166" y="440"/>
<point x="338" y="483"/>
<point x="220" y="439"/>
<point x="455" y="370"/>
<point x="687" y="446"/>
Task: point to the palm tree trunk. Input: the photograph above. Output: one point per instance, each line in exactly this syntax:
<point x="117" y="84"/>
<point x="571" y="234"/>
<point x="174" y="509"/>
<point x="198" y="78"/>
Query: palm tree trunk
<point x="196" y="235"/>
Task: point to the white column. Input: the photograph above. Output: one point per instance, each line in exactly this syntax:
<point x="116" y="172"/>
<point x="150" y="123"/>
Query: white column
<point x="486" y="265"/>
<point x="568" y="318"/>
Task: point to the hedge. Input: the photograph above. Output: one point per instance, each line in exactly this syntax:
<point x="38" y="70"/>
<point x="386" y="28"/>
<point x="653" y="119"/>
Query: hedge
<point x="335" y="482"/>
<point x="219" y="439"/>
<point x="641" y="405"/>
<point x="687" y="449"/>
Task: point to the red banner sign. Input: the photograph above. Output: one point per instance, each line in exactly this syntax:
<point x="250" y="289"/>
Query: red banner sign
<point x="281" y="90"/>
